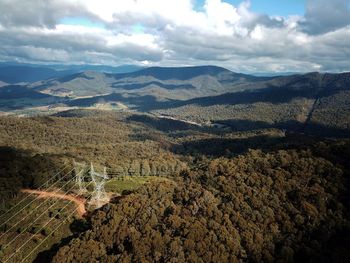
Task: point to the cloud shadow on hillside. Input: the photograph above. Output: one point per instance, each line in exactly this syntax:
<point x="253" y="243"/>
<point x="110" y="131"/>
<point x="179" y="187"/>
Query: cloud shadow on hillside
<point x="133" y="86"/>
<point x="274" y="95"/>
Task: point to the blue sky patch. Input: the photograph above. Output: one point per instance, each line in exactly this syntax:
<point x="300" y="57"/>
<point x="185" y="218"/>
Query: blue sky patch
<point x="269" y="7"/>
<point x="138" y="28"/>
<point x="80" y="21"/>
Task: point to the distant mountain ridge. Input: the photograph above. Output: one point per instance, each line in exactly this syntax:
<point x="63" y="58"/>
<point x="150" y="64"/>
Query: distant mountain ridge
<point x="186" y="73"/>
<point x="164" y="83"/>
<point x="16" y="73"/>
<point x="181" y="73"/>
<point x="205" y="94"/>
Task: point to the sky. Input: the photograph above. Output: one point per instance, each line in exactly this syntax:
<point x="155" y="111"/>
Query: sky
<point x="269" y="7"/>
<point x="243" y="36"/>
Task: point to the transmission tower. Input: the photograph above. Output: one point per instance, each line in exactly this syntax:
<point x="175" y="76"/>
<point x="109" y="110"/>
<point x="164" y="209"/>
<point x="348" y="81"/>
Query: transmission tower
<point x="99" y="196"/>
<point x="80" y="169"/>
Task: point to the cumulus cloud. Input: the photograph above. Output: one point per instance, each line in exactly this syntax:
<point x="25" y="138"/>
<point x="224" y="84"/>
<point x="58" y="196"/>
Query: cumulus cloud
<point x="41" y="13"/>
<point x="323" y="16"/>
<point x="74" y="39"/>
<point x="171" y="32"/>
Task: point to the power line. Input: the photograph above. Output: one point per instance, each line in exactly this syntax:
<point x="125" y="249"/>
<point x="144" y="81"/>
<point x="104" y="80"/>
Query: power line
<point x="47" y="236"/>
<point x="31" y="224"/>
<point x="18" y="249"/>
<point x="42" y="228"/>
<point x="33" y="200"/>
<point x="33" y="210"/>
<point x="8" y="211"/>
<point x="40" y="216"/>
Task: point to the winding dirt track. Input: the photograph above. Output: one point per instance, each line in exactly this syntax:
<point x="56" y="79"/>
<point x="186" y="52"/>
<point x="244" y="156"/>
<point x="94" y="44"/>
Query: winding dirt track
<point x="80" y="202"/>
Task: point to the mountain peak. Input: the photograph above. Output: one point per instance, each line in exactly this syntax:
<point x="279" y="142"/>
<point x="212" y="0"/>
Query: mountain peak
<point x="181" y="73"/>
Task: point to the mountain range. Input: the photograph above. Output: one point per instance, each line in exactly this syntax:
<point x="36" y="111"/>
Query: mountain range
<point x="163" y="83"/>
<point x="201" y="94"/>
<point x="11" y="72"/>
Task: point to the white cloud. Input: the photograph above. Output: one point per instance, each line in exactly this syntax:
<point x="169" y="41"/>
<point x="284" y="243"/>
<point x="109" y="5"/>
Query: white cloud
<point x="257" y="33"/>
<point x="174" y="33"/>
<point x="221" y="16"/>
<point x="323" y="16"/>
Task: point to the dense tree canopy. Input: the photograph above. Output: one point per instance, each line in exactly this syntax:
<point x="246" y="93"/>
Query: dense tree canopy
<point x="225" y="196"/>
<point x="282" y="206"/>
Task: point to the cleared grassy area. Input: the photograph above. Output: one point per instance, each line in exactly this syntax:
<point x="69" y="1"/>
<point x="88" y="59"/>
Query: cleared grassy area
<point x="118" y="185"/>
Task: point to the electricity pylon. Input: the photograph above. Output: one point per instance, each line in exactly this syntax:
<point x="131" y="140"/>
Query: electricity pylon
<point x="80" y="169"/>
<point x="99" y="196"/>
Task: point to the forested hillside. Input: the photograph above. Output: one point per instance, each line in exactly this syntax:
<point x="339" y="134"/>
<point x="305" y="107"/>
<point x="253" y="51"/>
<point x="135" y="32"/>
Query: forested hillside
<point x="280" y="206"/>
<point x="125" y="147"/>
<point x="313" y="103"/>
<point x="160" y="82"/>
<point x="225" y="196"/>
<point x="188" y="131"/>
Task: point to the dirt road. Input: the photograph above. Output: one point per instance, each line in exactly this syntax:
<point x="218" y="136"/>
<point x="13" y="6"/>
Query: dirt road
<point x="80" y="202"/>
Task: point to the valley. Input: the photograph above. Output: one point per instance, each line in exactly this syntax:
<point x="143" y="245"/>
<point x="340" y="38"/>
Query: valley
<point x="193" y="163"/>
<point x="202" y="95"/>
<point x="187" y="183"/>
<point x="188" y="131"/>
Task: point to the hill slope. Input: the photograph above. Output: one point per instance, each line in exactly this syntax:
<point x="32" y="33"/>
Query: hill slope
<point x="225" y="196"/>
<point x="207" y="94"/>
<point x="14" y="97"/>
<point x="163" y="83"/>
<point x="17" y="74"/>
<point x="281" y="206"/>
<point x="306" y="102"/>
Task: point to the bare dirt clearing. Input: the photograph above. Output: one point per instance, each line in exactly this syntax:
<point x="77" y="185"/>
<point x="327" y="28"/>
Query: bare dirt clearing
<point x="80" y="202"/>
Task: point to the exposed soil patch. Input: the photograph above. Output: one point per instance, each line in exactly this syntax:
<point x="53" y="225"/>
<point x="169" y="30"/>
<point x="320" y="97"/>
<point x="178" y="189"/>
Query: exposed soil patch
<point x="80" y="202"/>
